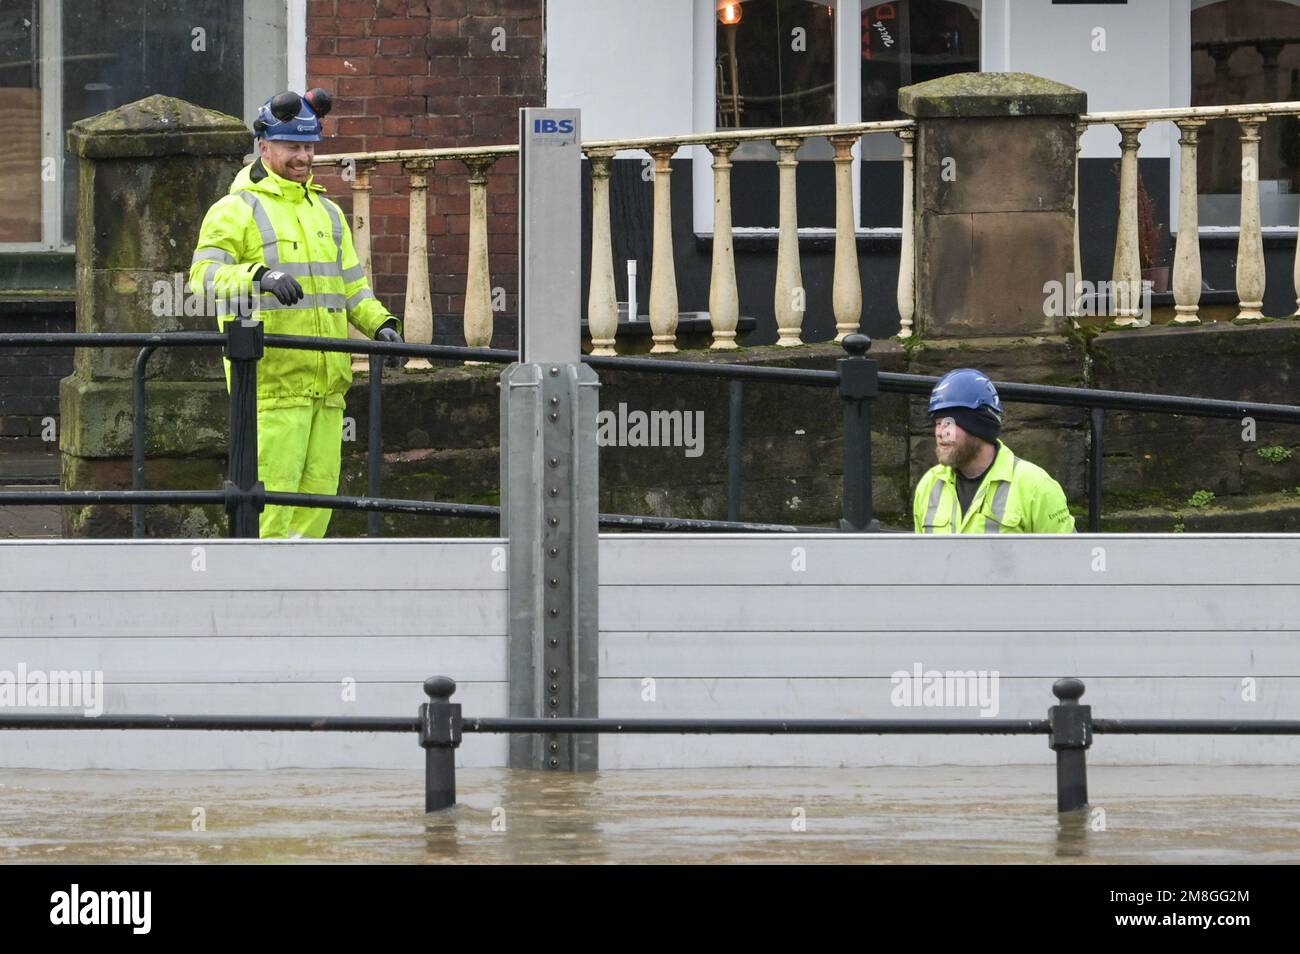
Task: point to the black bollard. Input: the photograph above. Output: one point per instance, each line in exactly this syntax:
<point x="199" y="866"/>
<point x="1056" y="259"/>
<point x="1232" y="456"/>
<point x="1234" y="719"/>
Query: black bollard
<point x="859" y="386"/>
<point x="439" y="736"/>
<point x="245" y="344"/>
<point x="1071" y="735"/>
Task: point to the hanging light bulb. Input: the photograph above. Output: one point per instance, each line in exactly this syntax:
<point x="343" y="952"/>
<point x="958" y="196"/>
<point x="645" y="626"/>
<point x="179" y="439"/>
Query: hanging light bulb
<point x="729" y="13"/>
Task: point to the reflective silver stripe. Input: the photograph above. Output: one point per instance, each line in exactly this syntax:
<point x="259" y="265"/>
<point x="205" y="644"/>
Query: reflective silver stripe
<point x="335" y="302"/>
<point x="270" y="241"/>
<point x="337" y="220"/>
<point x="350" y="275"/>
<point x="212" y="255"/>
<point x="993" y="524"/>
<point x="1000" y="497"/>
<point x="310" y="269"/>
<point x="936" y="493"/>
<point x="359" y="297"/>
<point x="956" y="514"/>
<point x="209" y="274"/>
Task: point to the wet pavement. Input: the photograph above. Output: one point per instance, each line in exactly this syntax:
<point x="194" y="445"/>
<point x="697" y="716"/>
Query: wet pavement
<point x="1160" y="814"/>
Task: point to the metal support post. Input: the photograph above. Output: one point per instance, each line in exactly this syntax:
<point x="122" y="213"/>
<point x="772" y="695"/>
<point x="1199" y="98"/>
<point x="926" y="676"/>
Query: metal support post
<point x="245" y="341"/>
<point x="440" y="732"/>
<point x="1096" y="416"/>
<point x="549" y="507"/>
<point x="1071" y="726"/>
<point x="859" y="386"/>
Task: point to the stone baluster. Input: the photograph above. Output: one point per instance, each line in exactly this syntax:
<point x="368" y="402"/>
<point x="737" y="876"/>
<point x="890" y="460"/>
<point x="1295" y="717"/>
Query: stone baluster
<point x="478" y="283"/>
<point x="724" y="297"/>
<point x="602" y="302"/>
<point x="1250" y="242"/>
<point x="418" y="317"/>
<point x="1126" y="273"/>
<point x="846" y="295"/>
<point x="663" y="273"/>
<point x="361" y="241"/>
<point x="907" y="244"/>
<point x="1187" y="250"/>
<point x="790" y="299"/>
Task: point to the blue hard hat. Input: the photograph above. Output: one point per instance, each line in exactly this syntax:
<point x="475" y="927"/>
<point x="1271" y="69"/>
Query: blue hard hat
<point x="291" y="117"/>
<point x="965" y="387"/>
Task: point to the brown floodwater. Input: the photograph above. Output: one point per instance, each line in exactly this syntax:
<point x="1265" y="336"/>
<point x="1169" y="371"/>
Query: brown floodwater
<point x="1157" y="814"/>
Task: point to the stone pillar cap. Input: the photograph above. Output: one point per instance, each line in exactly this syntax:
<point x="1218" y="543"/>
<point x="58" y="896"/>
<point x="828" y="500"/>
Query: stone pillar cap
<point x="159" y="126"/>
<point x="969" y="95"/>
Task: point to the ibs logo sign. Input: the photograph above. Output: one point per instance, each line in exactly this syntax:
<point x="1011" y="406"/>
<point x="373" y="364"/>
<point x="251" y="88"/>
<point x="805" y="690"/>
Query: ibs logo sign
<point x="553" y="126"/>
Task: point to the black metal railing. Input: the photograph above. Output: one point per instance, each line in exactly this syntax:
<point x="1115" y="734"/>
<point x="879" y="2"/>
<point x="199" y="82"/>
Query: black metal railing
<point x="1069" y="726"/>
<point x="857" y="379"/>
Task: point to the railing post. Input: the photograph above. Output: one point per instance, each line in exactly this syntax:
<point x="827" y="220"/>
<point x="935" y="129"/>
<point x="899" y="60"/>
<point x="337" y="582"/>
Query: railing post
<point x="375" y="448"/>
<point x="1096" y="416"/>
<point x="417" y="320"/>
<point x="1187" y="250"/>
<point x="1071" y="726"/>
<point x="907" y="246"/>
<point x="846" y="291"/>
<point x="478" y="284"/>
<point x="663" y="272"/>
<point x="1075" y="305"/>
<point x="1126" y="272"/>
<point x="602" y="302"/>
<point x="245" y="342"/>
<point x="724" y="297"/>
<point x="440" y="733"/>
<point x="859" y="385"/>
<point x="791" y="298"/>
<point x="1250" y="242"/>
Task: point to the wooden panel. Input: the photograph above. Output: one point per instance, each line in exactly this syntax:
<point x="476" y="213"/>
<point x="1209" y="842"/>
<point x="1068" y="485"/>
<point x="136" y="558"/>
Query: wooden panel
<point x="297" y="659"/>
<point x="1042" y="655"/>
<point x="920" y="561"/>
<point x="219" y="613"/>
<point x="108" y="565"/>
<point x="20" y="165"/>
<point x="992" y="607"/>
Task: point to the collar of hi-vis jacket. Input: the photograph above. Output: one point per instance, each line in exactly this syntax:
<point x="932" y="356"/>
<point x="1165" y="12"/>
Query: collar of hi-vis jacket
<point x="258" y="178"/>
<point x="1004" y="466"/>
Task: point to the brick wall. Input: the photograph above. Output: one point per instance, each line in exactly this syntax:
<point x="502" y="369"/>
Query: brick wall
<point x="29" y="377"/>
<point x="411" y="74"/>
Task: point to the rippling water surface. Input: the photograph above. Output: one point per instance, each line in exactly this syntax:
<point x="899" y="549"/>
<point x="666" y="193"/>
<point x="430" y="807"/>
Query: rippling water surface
<point x="890" y="815"/>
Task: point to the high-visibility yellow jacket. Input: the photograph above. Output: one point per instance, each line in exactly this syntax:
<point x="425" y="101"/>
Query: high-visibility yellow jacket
<point x="1014" y="497"/>
<point x="290" y="227"/>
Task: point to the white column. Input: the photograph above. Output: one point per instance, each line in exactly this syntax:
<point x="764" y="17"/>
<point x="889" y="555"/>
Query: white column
<point x="1187" y="249"/>
<point x="1126" y="272"/>
<point x="602" y="303"/>
<point x="417" y="321"/>
<point x="724" y="297"/>
<point x="1250" y="242"/>
<point x="478" y="283"/>
<point x="361" y="241"/>
<point x="663" y="273"/>
<point x="790" y="299"/>
<point x="846" y="293"/>
<point x="907" y="247"/>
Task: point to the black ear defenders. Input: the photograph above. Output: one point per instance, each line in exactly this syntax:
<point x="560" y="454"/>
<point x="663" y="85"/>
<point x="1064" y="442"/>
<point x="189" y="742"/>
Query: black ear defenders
<point x="320" y="101"/>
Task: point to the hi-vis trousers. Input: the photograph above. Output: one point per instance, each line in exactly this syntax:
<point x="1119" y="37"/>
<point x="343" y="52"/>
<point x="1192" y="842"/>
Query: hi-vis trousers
<point x="298" y="450"/>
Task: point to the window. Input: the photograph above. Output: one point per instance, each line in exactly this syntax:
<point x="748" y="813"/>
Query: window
<point x="775" y="63"/>
<point x="66" y="60"/>
<point x="912" y="41"/>
<point x="1247" y="51"/>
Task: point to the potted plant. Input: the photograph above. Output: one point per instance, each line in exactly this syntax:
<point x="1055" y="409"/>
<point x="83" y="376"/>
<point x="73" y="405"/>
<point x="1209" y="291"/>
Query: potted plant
<point x="1151" y="250"/>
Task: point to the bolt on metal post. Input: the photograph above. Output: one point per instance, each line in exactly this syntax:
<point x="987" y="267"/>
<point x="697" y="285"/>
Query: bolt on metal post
<point x="1071" y="726"/>
<point x="859" y="386"/>
<point x="245" y="344"/>
<point x="440" y="733"/>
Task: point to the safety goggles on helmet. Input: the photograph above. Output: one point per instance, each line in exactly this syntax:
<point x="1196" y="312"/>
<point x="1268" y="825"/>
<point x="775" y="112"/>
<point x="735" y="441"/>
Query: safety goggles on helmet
<point x="293" y="118"/>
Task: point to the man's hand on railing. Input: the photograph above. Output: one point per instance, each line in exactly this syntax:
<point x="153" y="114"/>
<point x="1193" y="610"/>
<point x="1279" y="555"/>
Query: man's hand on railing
<point x="390" y="334"/>
<point x="284" y="287"/>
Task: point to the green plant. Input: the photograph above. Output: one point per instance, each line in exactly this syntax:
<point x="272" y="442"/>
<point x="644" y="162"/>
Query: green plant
<point x="1275" y="454"/>
<point x="1179" y="528"/>
<point x="1201" y="498"/>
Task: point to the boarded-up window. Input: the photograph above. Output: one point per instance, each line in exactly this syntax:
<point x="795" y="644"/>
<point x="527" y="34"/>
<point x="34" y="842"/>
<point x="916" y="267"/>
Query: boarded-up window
<point x="20" y="118"/>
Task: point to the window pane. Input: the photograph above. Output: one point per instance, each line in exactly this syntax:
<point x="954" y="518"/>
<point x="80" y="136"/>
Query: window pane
<point x="1247" y="51"/>
<point x="775" y="63"/>
<point x="911" y="41"/>
<point x="118" y="51"/>
<point x="20" y="118"/>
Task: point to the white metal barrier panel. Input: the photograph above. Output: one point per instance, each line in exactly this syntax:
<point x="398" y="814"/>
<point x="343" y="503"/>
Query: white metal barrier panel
<point x="894" y="626"/>
<point x="721" y="626"/>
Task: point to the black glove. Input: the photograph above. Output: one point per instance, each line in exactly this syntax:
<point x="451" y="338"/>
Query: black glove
<point x="390" y="334"/>
<point x="284" y="287"/>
